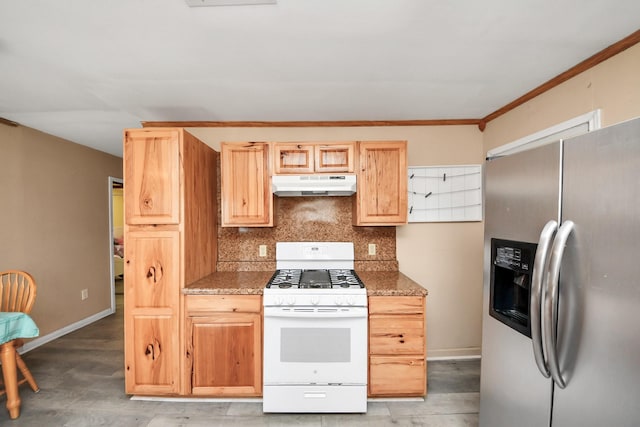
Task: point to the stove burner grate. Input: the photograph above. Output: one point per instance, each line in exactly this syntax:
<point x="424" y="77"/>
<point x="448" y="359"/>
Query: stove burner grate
<point x="315" y="279"/>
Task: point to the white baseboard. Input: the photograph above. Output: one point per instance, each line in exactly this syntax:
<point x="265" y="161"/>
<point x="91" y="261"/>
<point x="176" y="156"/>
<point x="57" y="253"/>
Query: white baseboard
<point x="433" y="359"/>
<point x="64" y="331"/>
<point x="454" y="353"/>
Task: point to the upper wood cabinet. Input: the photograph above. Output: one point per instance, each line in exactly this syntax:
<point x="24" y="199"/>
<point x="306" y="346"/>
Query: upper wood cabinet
<point x="247" y="200"/>
<point x="381" y="197"/>
<point x="308" y="157"/>
<point x="292" y="158"/>
<point x="152" y="176"/>
<point x="337" y="157"/>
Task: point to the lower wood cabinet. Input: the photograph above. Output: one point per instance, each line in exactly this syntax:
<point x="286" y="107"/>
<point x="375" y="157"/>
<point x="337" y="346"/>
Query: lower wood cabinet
<point x="224" y="345"/>
<point x="154" y="340"/>
<point x="397" y="346"/>
<point x="397" y="376"/>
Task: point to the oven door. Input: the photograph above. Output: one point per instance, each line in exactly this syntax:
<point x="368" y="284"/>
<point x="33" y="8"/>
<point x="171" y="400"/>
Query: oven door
<point x="315" y="345"/>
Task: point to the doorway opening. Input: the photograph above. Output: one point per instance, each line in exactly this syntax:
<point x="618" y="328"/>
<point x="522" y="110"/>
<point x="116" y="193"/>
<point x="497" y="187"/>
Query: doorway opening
<point x="116" y="238"/>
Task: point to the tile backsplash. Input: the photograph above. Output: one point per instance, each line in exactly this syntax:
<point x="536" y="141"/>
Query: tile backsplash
<point x="306" y="219"/>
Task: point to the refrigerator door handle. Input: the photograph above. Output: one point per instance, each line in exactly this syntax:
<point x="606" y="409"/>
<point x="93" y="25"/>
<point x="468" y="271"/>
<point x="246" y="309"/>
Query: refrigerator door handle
<point x="551" y="302"/>
<point x="535" y="309"/>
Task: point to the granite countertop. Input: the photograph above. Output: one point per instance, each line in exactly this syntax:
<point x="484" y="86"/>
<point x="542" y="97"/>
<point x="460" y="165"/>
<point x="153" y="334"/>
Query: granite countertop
<point x="378" y="283"/>
<point x="390" y="283"/>
<point x="230" y="283"/>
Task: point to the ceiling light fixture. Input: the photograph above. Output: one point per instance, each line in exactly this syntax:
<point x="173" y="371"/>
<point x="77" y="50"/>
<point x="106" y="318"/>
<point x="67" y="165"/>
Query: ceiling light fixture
<point x="199" y="3"/>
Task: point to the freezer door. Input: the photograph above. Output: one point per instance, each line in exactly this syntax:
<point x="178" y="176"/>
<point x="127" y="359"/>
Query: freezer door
<point x="521" y="196"/>
<point x="599" y="305"/>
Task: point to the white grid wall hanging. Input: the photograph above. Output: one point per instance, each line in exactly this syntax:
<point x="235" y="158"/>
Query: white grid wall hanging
<point x="445" y="193"/>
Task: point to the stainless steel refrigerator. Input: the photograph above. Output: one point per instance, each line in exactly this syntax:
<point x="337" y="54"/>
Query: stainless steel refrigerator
<point x="561" y="315"/>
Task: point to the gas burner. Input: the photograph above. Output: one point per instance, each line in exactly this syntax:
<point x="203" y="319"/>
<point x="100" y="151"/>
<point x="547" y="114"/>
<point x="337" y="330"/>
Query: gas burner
<point x="345" y="279"/>
<point x="284" y="279"/>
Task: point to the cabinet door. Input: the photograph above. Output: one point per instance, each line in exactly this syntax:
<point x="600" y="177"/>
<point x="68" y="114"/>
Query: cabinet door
<point x="152" y="366"/>
<point x="293" y="158"/>
<point x="226" y="354"/>
<point x="397" y="376"/>
<point x="152" y="270"/>
<point x="152" y="174"/>
<point x="381" y="198"/>
<point x="334" y="157"/>
<point x="246" y="186"/>
<point x="151" y="312"/>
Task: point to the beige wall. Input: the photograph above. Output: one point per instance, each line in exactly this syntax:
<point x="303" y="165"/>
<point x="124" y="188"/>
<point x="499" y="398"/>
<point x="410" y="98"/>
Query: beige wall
<point x="612" y="86"/>
<point x="445" y="258"/>
<point x="54" y="222"/>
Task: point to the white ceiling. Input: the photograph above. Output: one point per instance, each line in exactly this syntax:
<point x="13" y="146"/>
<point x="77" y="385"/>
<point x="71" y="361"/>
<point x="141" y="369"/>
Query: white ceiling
<point x="84" y="69"/>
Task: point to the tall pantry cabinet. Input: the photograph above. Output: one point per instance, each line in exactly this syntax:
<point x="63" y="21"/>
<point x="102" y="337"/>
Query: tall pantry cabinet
<point x="170" y="240"/>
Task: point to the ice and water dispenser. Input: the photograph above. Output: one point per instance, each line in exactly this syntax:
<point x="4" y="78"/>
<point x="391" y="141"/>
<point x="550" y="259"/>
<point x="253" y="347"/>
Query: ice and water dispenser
<point x="511" y="270"/>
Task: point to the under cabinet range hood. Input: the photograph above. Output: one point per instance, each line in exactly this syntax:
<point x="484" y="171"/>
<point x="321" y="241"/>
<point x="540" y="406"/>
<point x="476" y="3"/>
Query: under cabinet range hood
<point x="313" y="185"/>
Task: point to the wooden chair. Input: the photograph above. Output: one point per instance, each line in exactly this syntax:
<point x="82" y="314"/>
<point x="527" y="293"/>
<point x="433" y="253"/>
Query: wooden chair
<point x="17" y="294"/>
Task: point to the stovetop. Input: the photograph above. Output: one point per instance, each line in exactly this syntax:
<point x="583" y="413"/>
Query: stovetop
<point x="336" y="279"/>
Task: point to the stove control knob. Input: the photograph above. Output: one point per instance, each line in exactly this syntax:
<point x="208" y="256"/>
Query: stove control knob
<point x="351" y="300"/>
<point x="291" y="300"/>
<point x="315" y="300"/>
<point x="279" y="300"/>
<point x="339" y="301"/>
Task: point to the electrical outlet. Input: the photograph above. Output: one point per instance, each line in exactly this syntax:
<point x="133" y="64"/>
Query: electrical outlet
<point x="262" y="249"/>
<point x="372" y="248"/>
<point x="84" y="294"/>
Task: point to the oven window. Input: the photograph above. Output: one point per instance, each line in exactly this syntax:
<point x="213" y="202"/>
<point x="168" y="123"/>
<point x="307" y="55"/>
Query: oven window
<point x="315" y="345"/>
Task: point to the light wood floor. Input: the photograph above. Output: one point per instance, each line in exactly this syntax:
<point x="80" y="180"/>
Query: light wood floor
<point x="81" y="378"/>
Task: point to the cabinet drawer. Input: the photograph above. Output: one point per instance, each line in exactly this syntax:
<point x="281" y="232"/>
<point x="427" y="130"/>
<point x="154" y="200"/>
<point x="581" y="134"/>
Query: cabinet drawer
<point x="397" y="376"/>
<point x="396" y="305"/>
<point x="223" y="303"/>
<point x="389" y="334"/>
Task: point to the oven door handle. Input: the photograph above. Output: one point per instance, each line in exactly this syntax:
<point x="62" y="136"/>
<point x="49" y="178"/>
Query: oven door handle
<point x="356" y="312"/>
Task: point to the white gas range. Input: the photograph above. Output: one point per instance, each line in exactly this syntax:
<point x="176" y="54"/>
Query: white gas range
<point x="315" y="331"/>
